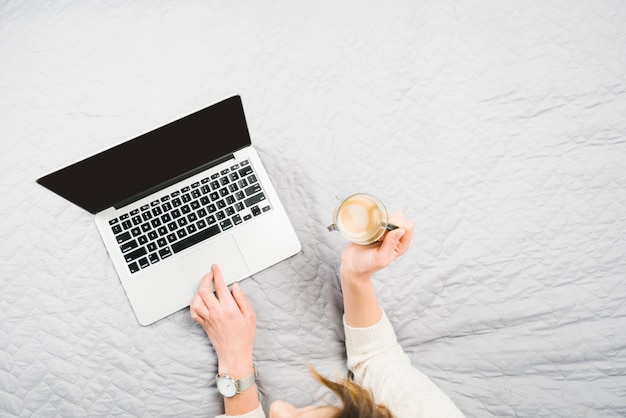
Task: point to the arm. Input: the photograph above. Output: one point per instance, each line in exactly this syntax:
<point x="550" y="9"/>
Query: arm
<point x="358" y="263"/>
<point x="230" y="323"/>
<point x="375" y="358"/>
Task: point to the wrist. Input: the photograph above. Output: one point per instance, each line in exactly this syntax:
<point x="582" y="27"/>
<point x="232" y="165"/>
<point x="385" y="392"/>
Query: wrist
<point x="351" y="276"/>
<point x="236" y="368"/>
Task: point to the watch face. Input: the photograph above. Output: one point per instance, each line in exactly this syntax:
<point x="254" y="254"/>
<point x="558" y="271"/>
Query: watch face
<point x="227" y="387"/>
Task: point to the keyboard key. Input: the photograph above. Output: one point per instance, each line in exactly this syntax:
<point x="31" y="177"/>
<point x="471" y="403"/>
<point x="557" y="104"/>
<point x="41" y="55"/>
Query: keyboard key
<point x="154" y="258"/>
<point x="245" y="171"/>
<point x="226" y="224"/>
<point x="254" y="199"/>
<point x="128" y="246"/>
<point x="123" y="237"/>
<point x="133" y="267"/>
<point x="253" y="189"/>
<point x="196" y="238"/>
<point x="164" y="253"/>
<point x="134" y="255"/>
<point x="143" y="262"/>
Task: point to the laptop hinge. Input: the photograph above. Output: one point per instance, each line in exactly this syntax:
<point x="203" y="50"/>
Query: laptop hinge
<point x="174" y="180"/>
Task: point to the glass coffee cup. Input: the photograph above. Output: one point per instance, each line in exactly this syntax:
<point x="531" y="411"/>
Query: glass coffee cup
<point x="361" y="218"/>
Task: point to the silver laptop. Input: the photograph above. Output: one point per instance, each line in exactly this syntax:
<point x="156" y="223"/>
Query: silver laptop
<point x="175" y="200"/>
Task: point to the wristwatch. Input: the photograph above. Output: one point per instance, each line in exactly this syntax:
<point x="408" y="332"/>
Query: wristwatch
<point x="229" y="387"/>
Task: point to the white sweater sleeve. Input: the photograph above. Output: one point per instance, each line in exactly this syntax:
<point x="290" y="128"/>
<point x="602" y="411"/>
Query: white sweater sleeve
<point x="380" y="365"/>
<point x="257" y="413"/>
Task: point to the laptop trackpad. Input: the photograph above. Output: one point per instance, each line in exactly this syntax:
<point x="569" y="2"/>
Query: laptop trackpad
<point x="225" y="253"/>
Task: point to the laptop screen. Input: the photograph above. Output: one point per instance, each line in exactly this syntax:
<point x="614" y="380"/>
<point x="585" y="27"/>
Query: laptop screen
<point x="154" y="160"/>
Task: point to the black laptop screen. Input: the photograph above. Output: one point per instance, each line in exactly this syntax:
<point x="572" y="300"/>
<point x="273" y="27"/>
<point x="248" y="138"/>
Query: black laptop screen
<point x="155" y="159"/>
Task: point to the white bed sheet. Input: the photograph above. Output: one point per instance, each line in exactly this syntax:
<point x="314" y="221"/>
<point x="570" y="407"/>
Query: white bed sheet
<point x="498" y="128"/>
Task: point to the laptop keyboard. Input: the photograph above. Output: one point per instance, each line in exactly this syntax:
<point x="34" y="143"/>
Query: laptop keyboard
<point x="198" y="211"/>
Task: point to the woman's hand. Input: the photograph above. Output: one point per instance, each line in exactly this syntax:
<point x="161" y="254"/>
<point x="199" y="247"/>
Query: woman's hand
<point x="229" y="321"/>
<point x="361" y="261"/>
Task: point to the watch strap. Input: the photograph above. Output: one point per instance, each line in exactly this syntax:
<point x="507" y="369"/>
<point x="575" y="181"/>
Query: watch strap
<point x="246" y="382"/>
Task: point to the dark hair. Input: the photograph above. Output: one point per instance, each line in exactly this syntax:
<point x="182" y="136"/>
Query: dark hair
<point x="358" y="402"/>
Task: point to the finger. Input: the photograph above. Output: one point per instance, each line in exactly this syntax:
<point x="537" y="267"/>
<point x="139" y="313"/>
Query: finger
<point x="242" y="301"/>
<point x="223" y="294"/>
<point x="199" y="311"/>
<point x="205" y="291"/>
<point x="389" y="246"/>
<point x="398" y="219"/>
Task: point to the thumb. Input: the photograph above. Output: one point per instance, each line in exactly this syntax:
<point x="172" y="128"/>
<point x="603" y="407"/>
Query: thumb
<point x="390" y="244"/>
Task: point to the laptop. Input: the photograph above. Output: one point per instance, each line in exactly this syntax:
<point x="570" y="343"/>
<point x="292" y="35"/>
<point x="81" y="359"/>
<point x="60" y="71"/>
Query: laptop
<point x="175" y="200"/>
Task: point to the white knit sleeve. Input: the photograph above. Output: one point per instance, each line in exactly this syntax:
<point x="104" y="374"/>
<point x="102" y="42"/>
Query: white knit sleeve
<point x="380" y="365"/>
<point x="257" y="413"/>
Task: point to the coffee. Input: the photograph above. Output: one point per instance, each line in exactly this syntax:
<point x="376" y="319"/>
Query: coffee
<point x="361" y="218"/>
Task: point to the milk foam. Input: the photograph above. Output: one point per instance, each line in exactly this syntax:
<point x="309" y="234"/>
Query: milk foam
<point x="359" y="218"/>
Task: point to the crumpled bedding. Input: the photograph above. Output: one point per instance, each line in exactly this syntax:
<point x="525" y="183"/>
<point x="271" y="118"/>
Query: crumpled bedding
<point x="497" y="127"/>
